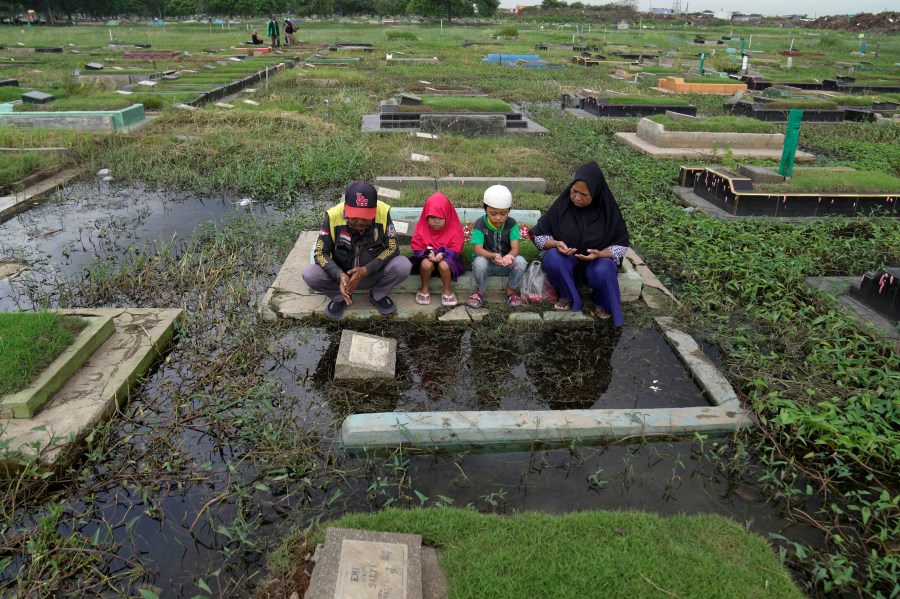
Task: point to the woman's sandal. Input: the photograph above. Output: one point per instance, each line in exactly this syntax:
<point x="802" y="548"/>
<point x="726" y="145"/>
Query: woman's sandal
<point x="513" y="300"/>
<point x="448" y="299"/>
<point x="601" y="313"/>
<point x="475" y="300"/>
<point x="562" y="304"/>
<point x="423" y="298"/>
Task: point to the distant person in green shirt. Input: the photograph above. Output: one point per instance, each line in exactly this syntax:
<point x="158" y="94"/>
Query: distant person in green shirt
<point x="274" y="32"/>
<point x="495" y="237"/>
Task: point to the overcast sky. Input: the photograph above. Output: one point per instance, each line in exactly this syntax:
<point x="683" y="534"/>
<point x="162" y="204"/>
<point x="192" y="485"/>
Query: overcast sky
<point x="765" y="7"/>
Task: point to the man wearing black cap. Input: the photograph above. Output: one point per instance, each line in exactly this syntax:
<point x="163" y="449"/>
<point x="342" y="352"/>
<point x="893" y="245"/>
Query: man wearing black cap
<point x="357" y="248"/>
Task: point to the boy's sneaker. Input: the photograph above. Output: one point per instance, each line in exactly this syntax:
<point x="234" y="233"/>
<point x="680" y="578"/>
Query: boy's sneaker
<point x="384" y="306"/>
<point x="335" y="309"/>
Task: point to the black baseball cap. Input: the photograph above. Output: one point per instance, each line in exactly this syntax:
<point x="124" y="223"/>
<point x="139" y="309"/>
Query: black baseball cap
<point x="360" y="200"/>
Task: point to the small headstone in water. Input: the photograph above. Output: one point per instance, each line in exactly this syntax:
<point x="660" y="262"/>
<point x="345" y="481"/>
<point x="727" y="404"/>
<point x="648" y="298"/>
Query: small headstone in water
<point x="94" y="66"/>
<point x="107" y="179"/>
<point x="362" y="356"/>
<point x="243" y="202"/>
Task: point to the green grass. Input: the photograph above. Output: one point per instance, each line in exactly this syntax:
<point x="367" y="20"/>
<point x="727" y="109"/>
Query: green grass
<point x="76" y="104"/>
<point x="716" y="80"/>
<point x="400" y="35"/>
<point x="818" y="181"/>
<point x="862" y="100"/>
<point x="16" y="166"/>
<point x="646" y="100"/>
<point x="29" y="342"/>
<point x="810" y="104"/>
<point x="736" y="124"/>
<point x="588" y="554"/>
<point x="459" y="104"/>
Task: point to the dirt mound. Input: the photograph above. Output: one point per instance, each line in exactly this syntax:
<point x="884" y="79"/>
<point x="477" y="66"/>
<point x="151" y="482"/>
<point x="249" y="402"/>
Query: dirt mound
<point x="883" y="22"/>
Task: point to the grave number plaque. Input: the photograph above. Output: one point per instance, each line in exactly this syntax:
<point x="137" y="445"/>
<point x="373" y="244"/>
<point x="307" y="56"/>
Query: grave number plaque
<point x="371" y="570"/>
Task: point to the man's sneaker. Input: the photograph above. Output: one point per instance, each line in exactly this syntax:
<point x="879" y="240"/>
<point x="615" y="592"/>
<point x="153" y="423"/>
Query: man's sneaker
<point x="335" y="309"/>
<point x="385" y="305"/>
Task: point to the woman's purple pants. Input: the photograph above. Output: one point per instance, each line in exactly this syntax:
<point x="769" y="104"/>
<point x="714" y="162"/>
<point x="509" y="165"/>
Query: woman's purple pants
<point x="601" y="275"/>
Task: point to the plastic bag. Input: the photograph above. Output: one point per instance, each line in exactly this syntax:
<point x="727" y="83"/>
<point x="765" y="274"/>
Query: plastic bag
<point x="535" y="286"/>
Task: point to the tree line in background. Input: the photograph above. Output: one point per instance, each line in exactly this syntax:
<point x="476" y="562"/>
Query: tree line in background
<point x="66" y="10"/>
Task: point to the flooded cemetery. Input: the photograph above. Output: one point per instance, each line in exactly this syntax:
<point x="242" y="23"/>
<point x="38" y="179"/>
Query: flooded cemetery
<point x="210" y="387"/>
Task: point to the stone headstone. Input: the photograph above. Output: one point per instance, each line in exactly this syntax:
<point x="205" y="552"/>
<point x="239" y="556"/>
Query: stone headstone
<point x="414" y="157"/>
<point x="37" y="98"/>
<point x="170" y="77"/>
<point x="361" y="564"/>
<point x="362" y="356"/>
<point x="9" y="83"/>
<point x="760" y="174"/>
<point x="93" y="66"/>
<point x="410" y="100"/>
<point x="473" y="124"/>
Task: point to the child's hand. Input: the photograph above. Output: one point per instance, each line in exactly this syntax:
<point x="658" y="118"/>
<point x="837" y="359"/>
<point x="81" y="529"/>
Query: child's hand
<point x="439" y="257"/>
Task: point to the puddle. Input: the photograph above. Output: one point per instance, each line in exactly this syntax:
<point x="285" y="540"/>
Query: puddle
<point x="89" y="223"/>
<point x="494" y="368"/>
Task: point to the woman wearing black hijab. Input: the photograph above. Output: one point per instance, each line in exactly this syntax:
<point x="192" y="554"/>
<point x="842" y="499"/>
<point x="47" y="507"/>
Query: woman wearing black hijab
<point x="584" y="239"/>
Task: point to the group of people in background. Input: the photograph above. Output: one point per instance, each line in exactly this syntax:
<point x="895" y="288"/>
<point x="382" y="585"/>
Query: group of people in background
<point x="582" y="237"/>
<point x="273" y="31"/>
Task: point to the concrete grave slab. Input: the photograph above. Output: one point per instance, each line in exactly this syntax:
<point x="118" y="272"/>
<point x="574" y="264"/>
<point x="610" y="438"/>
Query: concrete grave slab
<point x="457" y="315"/>
<point x="517" y="430"/>
<point x="362" y="564"/>
<point x="92" y="394"/>
<point x="20" y="202"/>
<point x="93" y="66"/>
<point x="362" y="356"/>
<point x="472" y="124"/>
<point x="27" y="402"/>
<point x="36" y="97"/>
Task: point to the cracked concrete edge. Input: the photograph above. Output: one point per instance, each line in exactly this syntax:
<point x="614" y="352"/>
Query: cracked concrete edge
<point x="33" y="195"/>
<point x="56" y="446"/>
<point x="712" y="382"/>
<point x="649" y="279"/>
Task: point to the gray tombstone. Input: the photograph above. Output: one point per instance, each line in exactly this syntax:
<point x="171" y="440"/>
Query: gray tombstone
<point x="37" y="98"/>
<point x="361" y="564"/>
<point x="410" y="100"/>
<point x="93" y="66"/>
<point x="362" y="356"/>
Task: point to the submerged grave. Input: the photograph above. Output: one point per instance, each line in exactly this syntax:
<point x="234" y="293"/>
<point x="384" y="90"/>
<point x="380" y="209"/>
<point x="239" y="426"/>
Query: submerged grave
<point x="461" y="114"/>
<point x="723" y="193"/>
<point x="592" y="103"/>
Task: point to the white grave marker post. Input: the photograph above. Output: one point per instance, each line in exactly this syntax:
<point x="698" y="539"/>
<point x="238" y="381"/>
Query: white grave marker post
<point x="744" y="63"/>
<point x="790" y="62"/>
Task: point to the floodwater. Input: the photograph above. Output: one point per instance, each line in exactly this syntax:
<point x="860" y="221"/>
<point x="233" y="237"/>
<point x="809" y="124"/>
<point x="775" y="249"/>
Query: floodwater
<point x="177" y="497"/>
<point x="87" y="224"/>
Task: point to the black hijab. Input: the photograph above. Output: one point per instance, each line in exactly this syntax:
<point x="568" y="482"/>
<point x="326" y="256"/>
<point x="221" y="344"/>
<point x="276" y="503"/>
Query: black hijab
<point x="596" y="226"/>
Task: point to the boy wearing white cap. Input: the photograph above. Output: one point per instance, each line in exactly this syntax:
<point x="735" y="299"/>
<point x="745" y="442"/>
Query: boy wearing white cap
<point x="495" y="237"/>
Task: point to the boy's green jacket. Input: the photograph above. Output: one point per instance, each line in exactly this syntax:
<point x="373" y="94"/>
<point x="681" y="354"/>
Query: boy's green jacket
<point x="272" y="31"/>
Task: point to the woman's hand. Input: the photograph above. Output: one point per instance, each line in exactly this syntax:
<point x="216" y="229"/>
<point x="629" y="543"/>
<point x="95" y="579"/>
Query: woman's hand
<point x="590" y="255"/>
<point x="563" y="249"/>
